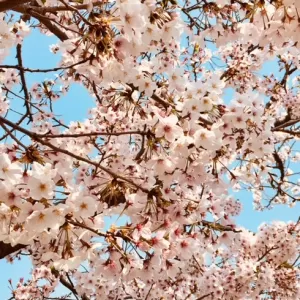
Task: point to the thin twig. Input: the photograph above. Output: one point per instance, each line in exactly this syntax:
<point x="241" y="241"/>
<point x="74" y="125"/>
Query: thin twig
<point x="23" y="81"/>
<point x="12" y="136"/>
<point x="37" y="138"/>
<point x="44" y="70"/>
<point x="75" y="135"/>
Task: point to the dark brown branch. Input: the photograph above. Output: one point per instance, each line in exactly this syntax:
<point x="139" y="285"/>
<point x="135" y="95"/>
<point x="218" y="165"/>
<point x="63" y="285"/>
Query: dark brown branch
<point x="10" y="4"/>
<point x="43" y="20"/>
<point x="291" y="132"/>
<point x="37" y="138"/>
<point x="54" y="9"/>
<point x="283" y="82"/>
<point x="39" y="13"/>
<point x="7" y="249"/>
<point x="45" y="70"/>
<point x="71" y="287"/>
<point x="149" y="291"/>
<point x="68" y="285"/>
<point x="97" y="232"/>
<point x="166" y="104"/>
<point x="161" y="101"/>
<point x="60" y="26"/>
<point x="204" y="296"/>
<point x="74" y="9"/>
<point x="75" y="135"/>
<point x="9" y="133"/>
<point x="287" y="121"/>
<point x="279" y="164"/>
<point x="266" y="253"/>
<point x="24" y="85"/>
<point x="50" y="26"/>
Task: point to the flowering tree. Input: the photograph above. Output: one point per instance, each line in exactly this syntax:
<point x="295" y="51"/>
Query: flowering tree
<point x="163" y="147"/>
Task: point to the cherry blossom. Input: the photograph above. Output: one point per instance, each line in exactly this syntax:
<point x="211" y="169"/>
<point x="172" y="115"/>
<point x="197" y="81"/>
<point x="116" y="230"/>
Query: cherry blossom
<point x="10" y="171"/>
<point x="138" y="199"/>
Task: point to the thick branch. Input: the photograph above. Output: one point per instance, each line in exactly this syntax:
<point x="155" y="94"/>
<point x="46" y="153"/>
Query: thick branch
<point x="7" y="249"/>
<point x="285" y="123"/>
<point x="52" y="27"/>
<point x="63" y="7"/>
<point x="10" y="4"/>
<point x="44" y="20"/>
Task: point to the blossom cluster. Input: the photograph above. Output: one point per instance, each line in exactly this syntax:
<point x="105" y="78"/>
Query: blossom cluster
<point x="164" y="149"/>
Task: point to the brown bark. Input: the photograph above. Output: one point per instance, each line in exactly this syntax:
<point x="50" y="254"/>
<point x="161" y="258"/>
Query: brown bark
<point x="10" y="4"/>
<point x="7" y="249"/>
<point x="18" y="5"/>
<point x="44" y="20"/>
<point x="52" y="27"/>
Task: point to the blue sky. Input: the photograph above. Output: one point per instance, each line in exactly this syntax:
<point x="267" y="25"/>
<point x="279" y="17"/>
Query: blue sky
<point x="74" y="106"/>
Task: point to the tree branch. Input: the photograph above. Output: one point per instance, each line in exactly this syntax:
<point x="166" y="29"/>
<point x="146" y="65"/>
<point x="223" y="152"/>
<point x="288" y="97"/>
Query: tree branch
<point x="54" y="9"/>
<point x="43" y="20"/>
<point x="10" y="4"/>
<point x="23" y="81"/>
<point x="36" y="137"/>
<point x="219" y="227"/>
<point x="90" y="134"/>
<point x="45" y="70"/>
<point x="7" y="249"/>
